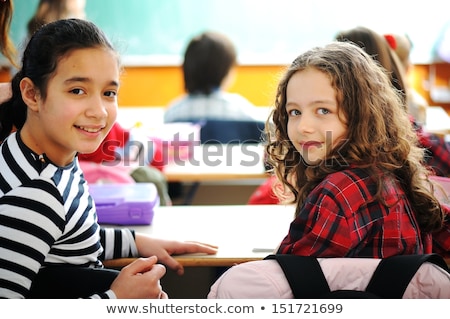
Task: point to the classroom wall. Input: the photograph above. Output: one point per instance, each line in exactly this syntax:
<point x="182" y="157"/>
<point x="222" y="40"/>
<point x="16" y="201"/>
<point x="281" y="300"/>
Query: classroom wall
<point x="151" y="36"/>
<point x="5" y="74"/>
<point x="149" y="86"/>
<point x="422" y="82"/>
<point x="157" y="86"/>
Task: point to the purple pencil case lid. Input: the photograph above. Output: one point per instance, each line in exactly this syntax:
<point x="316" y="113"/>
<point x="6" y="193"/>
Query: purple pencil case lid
<point x="125" y="204"/>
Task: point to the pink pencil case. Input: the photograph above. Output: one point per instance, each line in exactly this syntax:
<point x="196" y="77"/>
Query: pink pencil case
<point x="125" y="204"/>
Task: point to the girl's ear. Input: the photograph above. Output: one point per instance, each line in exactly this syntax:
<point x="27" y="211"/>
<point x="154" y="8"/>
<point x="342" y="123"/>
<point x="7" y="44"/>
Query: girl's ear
<point x="29" y="93"/>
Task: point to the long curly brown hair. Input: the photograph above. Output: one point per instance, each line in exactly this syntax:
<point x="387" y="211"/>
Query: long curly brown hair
<point x="380" y="135"/>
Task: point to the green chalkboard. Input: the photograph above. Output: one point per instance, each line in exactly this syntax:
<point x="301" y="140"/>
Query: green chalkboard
<point x="264" y="31"/>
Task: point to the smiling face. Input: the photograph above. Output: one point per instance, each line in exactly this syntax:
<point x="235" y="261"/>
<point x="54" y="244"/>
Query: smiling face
<point x="79" y="109"/>
<point x="314" y="124"/>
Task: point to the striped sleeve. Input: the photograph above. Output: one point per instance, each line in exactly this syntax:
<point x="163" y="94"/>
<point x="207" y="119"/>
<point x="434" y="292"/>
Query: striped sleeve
<point x="31" y="219"/>
<point x="117" y="243"/>
<point x="109" y="294"/>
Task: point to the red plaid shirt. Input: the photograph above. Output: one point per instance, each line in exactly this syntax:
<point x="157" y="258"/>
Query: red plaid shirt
<point x="336" y="220"/>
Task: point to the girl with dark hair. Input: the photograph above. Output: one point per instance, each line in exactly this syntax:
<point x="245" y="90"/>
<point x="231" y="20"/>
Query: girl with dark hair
<point x="64" y="102"/>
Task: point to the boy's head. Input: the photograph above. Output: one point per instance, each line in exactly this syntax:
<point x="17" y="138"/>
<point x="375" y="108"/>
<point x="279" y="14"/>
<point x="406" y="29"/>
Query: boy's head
<point x="208" y="59"/>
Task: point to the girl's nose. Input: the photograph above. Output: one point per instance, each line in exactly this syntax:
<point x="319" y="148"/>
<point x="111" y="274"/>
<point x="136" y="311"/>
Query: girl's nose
<point x="97" y="108"/>
<point x="305" y="123"/>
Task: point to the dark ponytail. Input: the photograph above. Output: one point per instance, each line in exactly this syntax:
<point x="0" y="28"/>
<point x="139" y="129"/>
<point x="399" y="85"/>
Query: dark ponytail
<point x="13" y="112"/>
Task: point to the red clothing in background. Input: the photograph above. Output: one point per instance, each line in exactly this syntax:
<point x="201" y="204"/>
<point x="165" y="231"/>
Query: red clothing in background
<point x="117" y="137"/>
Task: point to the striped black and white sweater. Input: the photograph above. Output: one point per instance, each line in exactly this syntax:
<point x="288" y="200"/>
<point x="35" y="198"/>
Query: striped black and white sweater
<point x="47" y="217"/>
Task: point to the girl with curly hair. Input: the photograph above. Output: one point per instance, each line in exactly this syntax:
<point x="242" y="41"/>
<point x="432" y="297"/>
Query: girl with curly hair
<point x="342" y="143"/>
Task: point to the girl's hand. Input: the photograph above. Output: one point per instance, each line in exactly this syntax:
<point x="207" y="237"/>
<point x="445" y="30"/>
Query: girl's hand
<point x="163" y="249"/>
<point x="140" y="279"/>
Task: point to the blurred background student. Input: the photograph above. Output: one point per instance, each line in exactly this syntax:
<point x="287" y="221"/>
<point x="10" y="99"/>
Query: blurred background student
<point x="209" y="69"/>
<point x="7" y="47"/>
<point x="377" y="47"/>
<point x="402" y="46"/>
<point x="52" y="10"/>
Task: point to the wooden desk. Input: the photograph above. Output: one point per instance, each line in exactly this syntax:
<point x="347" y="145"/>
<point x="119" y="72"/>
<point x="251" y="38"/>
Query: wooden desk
<point x="231" y="163"/>
<point x="438" y="121"/>
<point x="237" y="230"/>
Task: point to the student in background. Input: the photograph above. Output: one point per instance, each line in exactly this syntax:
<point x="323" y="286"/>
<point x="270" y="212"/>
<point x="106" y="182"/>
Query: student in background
<point x="392" y="51"/>
<point x="437" y="155"/>
<point x="7" y="48"/>
<point x="52" y="10"/>
<point x="377" y="47"/>
<point x="264" y="194"/>
<point x="344" y="145"/>
<point x="208" y="69"/>
<point x="64" y="102"/>
<point x="402" y="45"/>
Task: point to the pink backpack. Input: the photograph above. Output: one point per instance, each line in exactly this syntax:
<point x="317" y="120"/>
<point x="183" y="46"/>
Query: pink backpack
<point x="97" y="173"/>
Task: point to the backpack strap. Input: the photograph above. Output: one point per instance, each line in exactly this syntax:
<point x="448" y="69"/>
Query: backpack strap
<point x="393" y="274"/>
<point x="304" y="275"/>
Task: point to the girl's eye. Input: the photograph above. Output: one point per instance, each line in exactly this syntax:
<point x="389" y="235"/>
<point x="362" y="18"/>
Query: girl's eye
<point x="77" y="91"/>
<point x="323" y="111"/>
<point x="111" y="93"/>
<point x="294" y="112"/>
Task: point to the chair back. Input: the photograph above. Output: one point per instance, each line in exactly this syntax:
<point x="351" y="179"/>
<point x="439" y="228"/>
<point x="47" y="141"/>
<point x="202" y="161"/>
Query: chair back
<point x="231" y="132"/>
<point x="266" y="279"/>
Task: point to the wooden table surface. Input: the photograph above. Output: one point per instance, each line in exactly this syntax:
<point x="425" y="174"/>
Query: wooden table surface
<point x="242" y="232"/>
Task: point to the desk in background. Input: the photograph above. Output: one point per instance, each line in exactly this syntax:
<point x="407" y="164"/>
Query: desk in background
<point x="204" y="183"/>
<point x="438" y="120"/>
<point x="219" y="162"/>
<point x="234" y="164"/>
